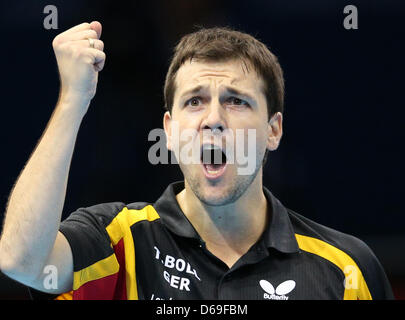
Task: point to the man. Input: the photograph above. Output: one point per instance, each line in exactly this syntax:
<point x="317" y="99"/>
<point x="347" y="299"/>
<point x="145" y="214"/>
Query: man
<point x="219" y="234"/>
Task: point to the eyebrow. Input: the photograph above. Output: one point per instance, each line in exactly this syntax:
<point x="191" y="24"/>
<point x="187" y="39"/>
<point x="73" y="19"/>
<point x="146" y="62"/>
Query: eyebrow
<point x="230" y="90"/>
<point x="195" y="90"/>
<point x="237" y="92"/>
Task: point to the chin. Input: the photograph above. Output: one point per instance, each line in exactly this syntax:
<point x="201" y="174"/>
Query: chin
<point x="222" y="193"/>
<point x="215" y="199"/>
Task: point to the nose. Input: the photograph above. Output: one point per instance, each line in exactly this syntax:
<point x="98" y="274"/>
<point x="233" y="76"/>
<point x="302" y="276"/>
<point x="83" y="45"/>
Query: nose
<point x="215" y="119"/>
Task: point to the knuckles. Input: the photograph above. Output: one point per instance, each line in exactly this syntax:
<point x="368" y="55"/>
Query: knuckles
<point x="93" y="34"/>
<point x="61" y="38"/>
<point x="101" y="44"/>
<point x="56" y="42"/>
<point x="76" y="50"/>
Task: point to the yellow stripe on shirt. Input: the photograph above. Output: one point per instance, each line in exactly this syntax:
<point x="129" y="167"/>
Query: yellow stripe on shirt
<point x="118" y="229"/>
<point x="355" y="284"/>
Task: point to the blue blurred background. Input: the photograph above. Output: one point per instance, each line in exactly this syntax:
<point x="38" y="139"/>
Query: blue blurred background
<point x="340" y="161"/>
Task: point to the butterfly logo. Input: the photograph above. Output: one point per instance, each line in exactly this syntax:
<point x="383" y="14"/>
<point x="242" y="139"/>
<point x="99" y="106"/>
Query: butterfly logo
<point x="280" y="292"/>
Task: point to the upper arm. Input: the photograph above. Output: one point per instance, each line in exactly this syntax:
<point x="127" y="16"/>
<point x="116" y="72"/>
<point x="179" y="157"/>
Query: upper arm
<point x="57" y="275"/>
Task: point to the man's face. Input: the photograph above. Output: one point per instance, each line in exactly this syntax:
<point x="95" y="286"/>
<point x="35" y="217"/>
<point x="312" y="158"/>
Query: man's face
<point x="218" y="102"/>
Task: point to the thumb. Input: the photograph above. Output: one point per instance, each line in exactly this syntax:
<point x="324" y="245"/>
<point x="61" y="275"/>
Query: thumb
<point x="96" y="26"/>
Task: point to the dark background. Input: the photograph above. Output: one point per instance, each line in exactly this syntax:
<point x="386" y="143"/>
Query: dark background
<point x="340" y="160"/>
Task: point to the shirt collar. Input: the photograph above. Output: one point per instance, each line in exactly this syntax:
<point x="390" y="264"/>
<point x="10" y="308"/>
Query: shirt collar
<point x="279" y="233"/>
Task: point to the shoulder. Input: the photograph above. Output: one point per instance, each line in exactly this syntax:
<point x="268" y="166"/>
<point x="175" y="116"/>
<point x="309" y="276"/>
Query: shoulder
<point x="350" y="254"/>
<point x="103" y="214"/>
<point x="305" y="228"/>
<point x="93" y="231"/>
<point x="105" y="222"/>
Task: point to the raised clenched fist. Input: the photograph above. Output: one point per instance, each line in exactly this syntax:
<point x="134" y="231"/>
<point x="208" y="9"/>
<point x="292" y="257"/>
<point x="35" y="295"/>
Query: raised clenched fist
<point x="80" y="57"/>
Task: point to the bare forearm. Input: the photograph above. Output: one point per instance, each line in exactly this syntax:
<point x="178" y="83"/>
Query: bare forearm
<point x="36" y="202"/>
<point x="30" y="237"/>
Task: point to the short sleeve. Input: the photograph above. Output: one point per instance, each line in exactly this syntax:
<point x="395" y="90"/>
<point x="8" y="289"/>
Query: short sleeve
<point x="96" y="264"/>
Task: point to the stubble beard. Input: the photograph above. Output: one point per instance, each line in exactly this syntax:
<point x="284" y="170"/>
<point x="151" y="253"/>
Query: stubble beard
<point x="236" y="188"/>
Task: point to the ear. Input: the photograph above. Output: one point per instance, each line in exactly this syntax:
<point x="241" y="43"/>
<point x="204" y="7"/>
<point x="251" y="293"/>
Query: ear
<point x="167" y="125"/>
<point x="275" y="131"/>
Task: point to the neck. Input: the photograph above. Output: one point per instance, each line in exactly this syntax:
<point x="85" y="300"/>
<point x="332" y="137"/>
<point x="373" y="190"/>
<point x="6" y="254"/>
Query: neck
<point x="235" y="227"/>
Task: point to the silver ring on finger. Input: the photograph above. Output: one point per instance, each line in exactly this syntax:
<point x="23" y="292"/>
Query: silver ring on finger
<point x="91" y="42"/>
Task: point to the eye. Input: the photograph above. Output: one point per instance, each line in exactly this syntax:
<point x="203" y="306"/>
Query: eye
<point x="237" y="101"/>
<point x="193" y="102"/>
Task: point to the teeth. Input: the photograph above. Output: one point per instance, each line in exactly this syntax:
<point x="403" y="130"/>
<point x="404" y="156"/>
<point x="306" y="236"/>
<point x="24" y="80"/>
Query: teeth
<point x="210" y="147"/>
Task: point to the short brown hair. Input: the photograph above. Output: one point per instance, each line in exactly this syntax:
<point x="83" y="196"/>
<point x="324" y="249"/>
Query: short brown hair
<point x="221" y="44"/>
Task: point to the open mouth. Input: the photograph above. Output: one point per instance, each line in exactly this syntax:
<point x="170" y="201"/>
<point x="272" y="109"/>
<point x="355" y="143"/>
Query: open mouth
<point x="213" y="159"/>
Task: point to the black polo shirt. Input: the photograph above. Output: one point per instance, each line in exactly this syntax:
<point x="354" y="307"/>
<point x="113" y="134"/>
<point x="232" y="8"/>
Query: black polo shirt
<point x="151" y="251"/>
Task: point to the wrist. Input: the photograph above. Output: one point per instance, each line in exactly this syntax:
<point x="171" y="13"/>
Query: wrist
<point x="73" y="102"/>
<point x="76" y="98"/>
